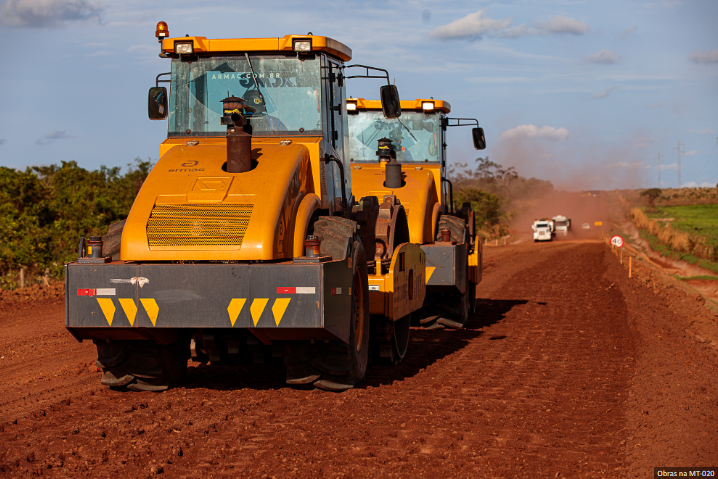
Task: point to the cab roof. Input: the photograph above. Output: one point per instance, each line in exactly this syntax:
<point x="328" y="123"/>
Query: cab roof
<point x="284" y="44"/>
<point x="439" y="105"/>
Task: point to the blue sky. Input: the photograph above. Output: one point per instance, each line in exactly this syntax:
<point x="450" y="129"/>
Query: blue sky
<point x="586" y="94"/>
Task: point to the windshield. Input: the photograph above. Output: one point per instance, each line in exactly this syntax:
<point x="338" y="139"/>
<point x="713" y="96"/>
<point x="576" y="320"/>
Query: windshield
<point x="290" y="87"/>
<point x="561" y="223"/>
<point x="416" y="136"/>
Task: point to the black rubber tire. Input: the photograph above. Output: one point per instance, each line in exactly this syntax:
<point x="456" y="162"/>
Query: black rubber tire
<point x="112" y="240"/>
<point x="390" y="339"/>
<point x="142" y="365"/>
<point x="334" y="365"/>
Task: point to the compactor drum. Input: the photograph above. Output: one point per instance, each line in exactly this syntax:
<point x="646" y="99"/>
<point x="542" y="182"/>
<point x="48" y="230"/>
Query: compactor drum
<point x="246" y="242"/>
<point x="409" y="164"/>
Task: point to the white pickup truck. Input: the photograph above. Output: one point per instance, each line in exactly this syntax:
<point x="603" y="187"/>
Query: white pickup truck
<point x="543" y="230"/>
<point x="562" y="224"/>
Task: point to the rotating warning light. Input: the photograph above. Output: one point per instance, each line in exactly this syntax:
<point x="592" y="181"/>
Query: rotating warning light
<point x="162" y="31"/>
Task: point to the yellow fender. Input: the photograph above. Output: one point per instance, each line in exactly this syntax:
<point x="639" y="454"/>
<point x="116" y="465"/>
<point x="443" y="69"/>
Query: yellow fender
<point x="402" y="290"/>
<point x="310" y="203"/>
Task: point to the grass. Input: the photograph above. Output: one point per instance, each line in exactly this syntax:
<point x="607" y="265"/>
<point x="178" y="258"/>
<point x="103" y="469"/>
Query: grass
<point x="664" y="250"/>
<point x="699" y="220"/>
<point x="701" y="278"/>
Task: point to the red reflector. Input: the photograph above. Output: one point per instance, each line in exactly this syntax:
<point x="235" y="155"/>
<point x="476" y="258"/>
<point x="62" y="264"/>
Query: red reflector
<point x="85" y="292"/>
<point x="281" y="290"/>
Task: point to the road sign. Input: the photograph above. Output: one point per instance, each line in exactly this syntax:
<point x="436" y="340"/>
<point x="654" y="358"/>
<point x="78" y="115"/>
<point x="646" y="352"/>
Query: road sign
<point x="617" y="241"/>
<point x="598" y="223"/>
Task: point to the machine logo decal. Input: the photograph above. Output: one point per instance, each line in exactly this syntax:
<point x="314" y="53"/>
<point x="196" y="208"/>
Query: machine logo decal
<point x="374" y="287"/>
<point x="136" y="280"/>
<point x="336" y="291"/>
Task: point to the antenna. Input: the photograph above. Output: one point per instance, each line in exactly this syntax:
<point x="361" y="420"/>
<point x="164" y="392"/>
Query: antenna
<point x="678" y="150"/>
<point x="659" y="170"/>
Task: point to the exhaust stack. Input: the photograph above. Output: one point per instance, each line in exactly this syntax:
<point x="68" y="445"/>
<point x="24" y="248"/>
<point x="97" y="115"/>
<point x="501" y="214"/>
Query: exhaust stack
<point x="392" y="172"/>
<point x="239" y="142"/>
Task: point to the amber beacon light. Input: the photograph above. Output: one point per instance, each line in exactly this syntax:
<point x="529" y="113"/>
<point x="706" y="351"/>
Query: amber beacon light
<point x="162" y="31"/>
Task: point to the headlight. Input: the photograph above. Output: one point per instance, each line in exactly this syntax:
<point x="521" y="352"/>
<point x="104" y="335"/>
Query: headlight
<point x="351" y="106"/>
<point x="302" y="45"/>
<point x="427" y="106"/>
<point x="184" y="48"/>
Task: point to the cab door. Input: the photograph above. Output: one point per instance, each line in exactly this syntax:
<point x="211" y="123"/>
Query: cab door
<point x="338" y="125"/>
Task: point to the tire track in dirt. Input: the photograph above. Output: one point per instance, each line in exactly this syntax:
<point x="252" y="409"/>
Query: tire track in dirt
<point x="535" y="386"/>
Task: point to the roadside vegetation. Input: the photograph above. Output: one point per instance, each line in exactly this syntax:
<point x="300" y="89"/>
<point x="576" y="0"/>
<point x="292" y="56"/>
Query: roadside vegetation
<point x="45" y="209"/>
<point x="688" y="232"/>
<point x="497" y="194"/>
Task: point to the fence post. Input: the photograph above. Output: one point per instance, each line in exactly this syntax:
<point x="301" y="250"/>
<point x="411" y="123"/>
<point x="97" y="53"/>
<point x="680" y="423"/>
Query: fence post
<point x="22" y="277"/>
<point x="630" y="264"/>
<point x="46" y="276"/>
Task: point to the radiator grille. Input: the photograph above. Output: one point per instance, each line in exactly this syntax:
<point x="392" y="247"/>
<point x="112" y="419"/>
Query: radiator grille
<point x="198" y="224"/>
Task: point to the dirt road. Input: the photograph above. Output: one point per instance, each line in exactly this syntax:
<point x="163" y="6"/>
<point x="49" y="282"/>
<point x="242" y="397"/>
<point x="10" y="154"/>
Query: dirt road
<point x="568" y="369"/>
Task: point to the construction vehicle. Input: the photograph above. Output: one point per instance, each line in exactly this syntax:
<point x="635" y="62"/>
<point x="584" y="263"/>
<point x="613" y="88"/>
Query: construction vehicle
<point x="543" y="230"/>
<point x="562" y="225"/>
<point x="446" y="235"/>
<point x="245" y="240"/>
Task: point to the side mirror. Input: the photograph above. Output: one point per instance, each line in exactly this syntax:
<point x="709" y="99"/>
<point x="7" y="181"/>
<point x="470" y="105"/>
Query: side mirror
<point x="157" y="103"/>
<point x="479" y="140"/>
<point x="390" y="103"/>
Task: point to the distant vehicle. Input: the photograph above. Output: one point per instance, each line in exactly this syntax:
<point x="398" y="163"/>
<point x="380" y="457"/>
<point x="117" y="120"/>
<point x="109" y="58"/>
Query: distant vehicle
<point x="591" y="194"/>
<point x="586" y="226"/>
<point x="561" y="224"/>
<point x="543" y="230"/>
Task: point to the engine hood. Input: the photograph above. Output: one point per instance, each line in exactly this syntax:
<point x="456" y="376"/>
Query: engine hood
<point x="189" y="208"/>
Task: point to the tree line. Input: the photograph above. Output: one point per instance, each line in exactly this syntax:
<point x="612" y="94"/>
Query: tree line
<point x="44" y="210"/>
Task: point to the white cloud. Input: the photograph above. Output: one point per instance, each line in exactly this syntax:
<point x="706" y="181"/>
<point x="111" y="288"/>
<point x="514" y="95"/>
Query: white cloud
<point x="604" y="56"/>
<point x="472" y="25"/>
<point x="55" y="135"/>
<point x="100" y="53"/>
<point x="48" y="13"/>
<point x="707" y="131"/>
<point x="643" y="142"/>
<point x="625" y="164"/>
<point x="604" y="93"/>
<point x="672" y="166"/>
<point x="707" y="56"/>
<point x="475" y="25"/>
<point x="691" y="153"/>
<point x="559" y="24"/>
<point x="629" y="31"/>
<point x="533" y="131"/>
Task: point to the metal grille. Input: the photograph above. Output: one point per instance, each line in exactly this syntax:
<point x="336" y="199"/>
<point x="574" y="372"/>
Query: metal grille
<point x="198" y="224"/>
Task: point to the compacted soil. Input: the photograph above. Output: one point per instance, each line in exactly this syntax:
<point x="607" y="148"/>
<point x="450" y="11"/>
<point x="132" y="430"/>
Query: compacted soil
<point x="568" y="369"/>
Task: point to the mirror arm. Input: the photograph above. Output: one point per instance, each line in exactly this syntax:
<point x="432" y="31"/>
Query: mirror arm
<point x="385" y="75"/>
<point x="158" y="81"/>
<point x="445" y="122"/>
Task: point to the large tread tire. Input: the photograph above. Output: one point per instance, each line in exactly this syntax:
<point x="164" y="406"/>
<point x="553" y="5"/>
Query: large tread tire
<point x="333" y="365"/>
<point x="391" y="339"/>
<point x="112" y="240"/>
<point x="142" y="365"/>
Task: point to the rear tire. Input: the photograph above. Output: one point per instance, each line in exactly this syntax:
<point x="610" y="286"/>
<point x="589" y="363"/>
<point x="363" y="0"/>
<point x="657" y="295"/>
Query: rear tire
<point x="334" y="365"/>
<point x="142" y="365"/>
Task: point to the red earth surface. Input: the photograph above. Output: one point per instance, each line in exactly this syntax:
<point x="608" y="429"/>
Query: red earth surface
<point x="568" y="369"/>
